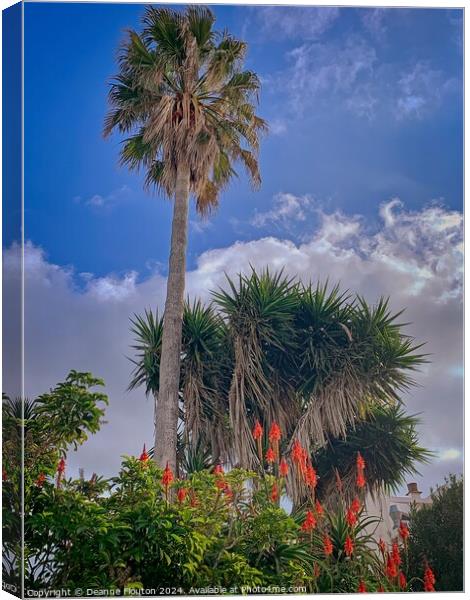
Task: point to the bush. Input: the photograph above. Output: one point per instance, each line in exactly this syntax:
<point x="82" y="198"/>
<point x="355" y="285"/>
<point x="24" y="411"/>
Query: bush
<point x="208" y="529"/>
<point x="437" y="535"/>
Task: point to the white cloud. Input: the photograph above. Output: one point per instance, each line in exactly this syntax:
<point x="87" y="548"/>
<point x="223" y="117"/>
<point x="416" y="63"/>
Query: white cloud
<point x="413" y="256"/>
<point x="99" y="201"/>
<point x="450" y="454"/>
<point x="286" y="210"/>
<point x="296" y="22"/>
<point x="420" y="90"/>
<point x="322" y="69"/>
<point x="350" y="74"/>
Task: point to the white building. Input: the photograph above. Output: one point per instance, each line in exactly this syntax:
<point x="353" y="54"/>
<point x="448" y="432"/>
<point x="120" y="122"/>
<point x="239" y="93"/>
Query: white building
<point x="392" y="510"/>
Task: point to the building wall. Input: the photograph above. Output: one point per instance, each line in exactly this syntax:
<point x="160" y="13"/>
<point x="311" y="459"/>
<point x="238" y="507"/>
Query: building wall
<point x="392" y="510"/>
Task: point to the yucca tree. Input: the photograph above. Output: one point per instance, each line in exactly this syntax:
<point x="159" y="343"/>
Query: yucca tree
<point x="323" y="364"/>
<point x="205" y="374"/>
<point x="189" y="109"/>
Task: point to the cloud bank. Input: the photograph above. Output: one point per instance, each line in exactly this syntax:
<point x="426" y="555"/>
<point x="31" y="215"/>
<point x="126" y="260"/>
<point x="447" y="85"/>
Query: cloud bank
<point x="78" y="321"/>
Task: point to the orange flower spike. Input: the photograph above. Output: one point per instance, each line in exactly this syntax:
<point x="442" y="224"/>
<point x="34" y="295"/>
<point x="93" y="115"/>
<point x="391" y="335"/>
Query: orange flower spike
<point x="283" y="468"/>
<point x="348" y="546"/>
<point x="61" y="466"/>
<point x="319" y="509"/>
<point x="351" y="518"/>
<point x="144" y="456"/>
<point x="182" y="493"/>
<point x="327" y="545"/>
<point x="391" y="570"/>
<point x="404" y="531"/>
<point x="356" y="505"/>
<point x="274" y="433"/>
<point x="402" y="580"/>
<point x="316" y="570"/>
<point x="274" y="493"/>
<point x="310" y="522"/>
<point x="360" y="462"/>
<point x="360" y="480"/>
<point x="194" y="500"/>
<point x="257" y="431"/>
<point x="429" y="579"/>
<point x="168" y="476"/>
<point x="311" y="477"/>
<point x="218" y="470"/>
<point x="362" y="587"/>
<point x="396" y="554"/>
<point x="297" y="452"/>
<point x="270" y="456"/>
<point x="220" y="484"/>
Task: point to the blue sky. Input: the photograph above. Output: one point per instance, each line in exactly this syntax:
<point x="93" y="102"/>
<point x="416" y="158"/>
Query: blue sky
<point x="364" y="106"/>
<point x="362" y="184"/>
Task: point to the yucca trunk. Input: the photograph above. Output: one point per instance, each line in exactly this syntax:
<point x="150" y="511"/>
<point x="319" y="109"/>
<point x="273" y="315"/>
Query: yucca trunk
<point x="166" y="411"/>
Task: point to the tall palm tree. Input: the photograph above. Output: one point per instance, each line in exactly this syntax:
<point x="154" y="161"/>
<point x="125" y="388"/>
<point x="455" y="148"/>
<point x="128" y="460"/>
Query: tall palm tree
<point x="189" y="107"/>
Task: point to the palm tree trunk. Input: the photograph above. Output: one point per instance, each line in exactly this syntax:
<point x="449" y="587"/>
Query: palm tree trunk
<point x="166" y="409"/>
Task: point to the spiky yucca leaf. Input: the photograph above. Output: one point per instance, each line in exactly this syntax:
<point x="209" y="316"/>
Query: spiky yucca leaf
<point x="148" y="332"/>
<point x="387" y="439"/>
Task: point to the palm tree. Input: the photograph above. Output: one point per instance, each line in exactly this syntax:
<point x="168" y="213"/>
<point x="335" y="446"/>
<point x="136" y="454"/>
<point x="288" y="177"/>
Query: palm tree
<point x="189" y="107"/>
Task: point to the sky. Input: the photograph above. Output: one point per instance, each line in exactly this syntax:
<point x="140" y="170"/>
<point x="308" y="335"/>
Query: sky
<point x="362" y="183"/>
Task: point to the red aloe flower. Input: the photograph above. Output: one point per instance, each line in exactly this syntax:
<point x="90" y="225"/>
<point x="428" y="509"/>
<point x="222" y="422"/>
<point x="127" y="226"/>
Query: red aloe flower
<point x="327" y="545"/>
<point x="220" y="484"/>
<point x="182" y="493"/>
<point x="218" y="470"/>
<point x="356" y="505"/>
<point x="360" y="462"/>
<point x="144" y="456"/>
<point x="283" y="468"/>
<point x="361" y="588"/>
<point x="194" y="501"/>
<point x="274" y="493"/>
<point x="310" y="476"/>
<point x="228" y="493"/>
<point x="402" y="580"/>
<point x="297" y="452"/>
<point x="360" y="480"/>
<point x="40" y="480"/>
<point x="310" y="522"/>
<point x="316" y="570"/>
<point x="429" y="579"/>
<point x="270" y="456"/>
<point x="351" y="518"/>
<point x="168" y="476"/>
<point x="348" y="546"/>
<point x="257" y="431"/>
<point x="319" y="509"/>
<point x="391" y="570"/>
<point x="404" y="531"/>
<point x="274" y="433"/>
<point x="396" y="554"/>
